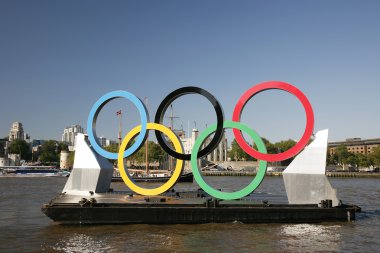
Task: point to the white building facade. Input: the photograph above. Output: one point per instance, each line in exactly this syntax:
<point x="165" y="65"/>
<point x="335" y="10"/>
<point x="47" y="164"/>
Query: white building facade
<point x="219" y="154"/>
<point x="109" y="142"/>
<point x="69" y="135"/>
<point x="102" y="141"/>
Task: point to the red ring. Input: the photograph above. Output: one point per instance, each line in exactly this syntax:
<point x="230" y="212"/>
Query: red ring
<point x="309" y="120"/>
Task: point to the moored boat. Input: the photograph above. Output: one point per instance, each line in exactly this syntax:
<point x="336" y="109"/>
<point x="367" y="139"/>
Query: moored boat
<point x="34" y="171"/>
<point x="185" y="177"/>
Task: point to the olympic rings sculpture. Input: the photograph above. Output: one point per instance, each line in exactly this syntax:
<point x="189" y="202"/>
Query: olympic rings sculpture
<point x="141" y="132"/>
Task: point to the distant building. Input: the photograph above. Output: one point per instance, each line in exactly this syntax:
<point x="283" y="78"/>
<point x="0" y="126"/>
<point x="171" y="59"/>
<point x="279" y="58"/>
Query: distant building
<point x="102" y="141"/>
<point x="14" y="159"/>
<point x="188" y="143"/>
<point x="27" y="138"/>
<point x="219" y="154"/>
<point x="109" y="142"/>
<point x="355" y="145"/>
<point x="69" y="134"/>
<point x="16" y="132"/>
<point x="36" y="148"/>
<point x="3" y="148"/>
<point x="64" y="159"/>
<point x="36" y="143"/>
<point x="4" y="161"/>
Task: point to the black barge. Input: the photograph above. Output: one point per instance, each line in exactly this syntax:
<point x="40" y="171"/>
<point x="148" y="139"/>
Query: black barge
<point x="185" y="208"/>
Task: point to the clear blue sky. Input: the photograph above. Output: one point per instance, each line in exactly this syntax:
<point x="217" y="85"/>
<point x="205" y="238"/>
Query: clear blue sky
<point x="58" y="57"/>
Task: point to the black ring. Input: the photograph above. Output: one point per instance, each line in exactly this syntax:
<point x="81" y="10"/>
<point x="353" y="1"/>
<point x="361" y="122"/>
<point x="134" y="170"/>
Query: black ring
<point x="165" y="104"/>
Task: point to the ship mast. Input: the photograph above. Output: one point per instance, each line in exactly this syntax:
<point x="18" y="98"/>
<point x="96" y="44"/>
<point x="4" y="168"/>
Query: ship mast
<point x="118" y="114"/>
<point x="146" y="143"/>
<point x="171" y="117"/>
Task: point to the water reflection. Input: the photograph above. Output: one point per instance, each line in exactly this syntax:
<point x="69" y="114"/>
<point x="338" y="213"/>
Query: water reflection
<point x="81" y="243"/>
<point x="310" y="238"/>
<point x="107" y="238"/>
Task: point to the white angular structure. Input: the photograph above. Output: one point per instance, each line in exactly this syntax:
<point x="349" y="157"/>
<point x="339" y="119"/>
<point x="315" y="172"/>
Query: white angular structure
<point x="91" y="172"/>
<point x="305" y="179"/>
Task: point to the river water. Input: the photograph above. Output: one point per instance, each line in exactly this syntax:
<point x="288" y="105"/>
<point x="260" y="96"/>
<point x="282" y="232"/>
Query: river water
<point x="24" y="228"/>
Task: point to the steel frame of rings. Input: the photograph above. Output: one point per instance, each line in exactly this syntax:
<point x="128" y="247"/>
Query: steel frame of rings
<point x="218" y="128"/>
<point x="309" y="120"/>
<point x="165" y="104"/>
<point x="177" y="171"/>
<point x="92" y="117"/>
<point x="246" y="190"/>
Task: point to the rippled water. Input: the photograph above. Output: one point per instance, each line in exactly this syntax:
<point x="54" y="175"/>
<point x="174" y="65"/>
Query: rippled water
<point x="24" y="228"/>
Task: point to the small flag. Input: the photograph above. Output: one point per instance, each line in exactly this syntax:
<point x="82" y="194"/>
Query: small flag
<point x="118" y="112"/>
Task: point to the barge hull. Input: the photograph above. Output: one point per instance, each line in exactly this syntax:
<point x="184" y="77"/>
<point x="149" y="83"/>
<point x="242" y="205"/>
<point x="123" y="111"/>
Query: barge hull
<point x="171" y="214"/>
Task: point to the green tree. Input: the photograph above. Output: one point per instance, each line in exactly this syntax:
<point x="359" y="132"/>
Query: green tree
<point x="21" y="147"/>
<point x="283" y="146"/>
<point x="375" y="156"/>
<point x="49" y="152"/>
<point x="352" y="160"/>
<point x="237" y="153"/>
<point x="271" y="148"/>
<point x="155" y="153"/>
<point x="331" y="159"/>
<point x="62" y="147"/>
<point x="71" y="159"/>
<point x="342" y="155"/>
<point x="114" y="148"/>
<point x="363" y="160"/>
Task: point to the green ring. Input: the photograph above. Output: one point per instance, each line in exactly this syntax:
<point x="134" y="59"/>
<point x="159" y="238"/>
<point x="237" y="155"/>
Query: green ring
<point x="229" y="195"/>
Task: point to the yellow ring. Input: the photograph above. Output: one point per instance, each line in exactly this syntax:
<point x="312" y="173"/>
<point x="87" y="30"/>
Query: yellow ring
<point x="177" y="171"/>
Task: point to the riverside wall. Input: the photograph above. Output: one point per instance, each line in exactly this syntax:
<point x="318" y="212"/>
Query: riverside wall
<point x="238" y="165"/>
<point x="329" y="174"/>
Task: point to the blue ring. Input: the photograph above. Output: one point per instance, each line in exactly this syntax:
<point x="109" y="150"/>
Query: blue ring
<point x="92" y="117"/>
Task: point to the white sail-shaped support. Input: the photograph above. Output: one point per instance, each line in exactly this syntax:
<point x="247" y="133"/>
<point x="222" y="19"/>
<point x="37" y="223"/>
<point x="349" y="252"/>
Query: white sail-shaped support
<point x="305" y="178"/>
<point x="91" y="172"/>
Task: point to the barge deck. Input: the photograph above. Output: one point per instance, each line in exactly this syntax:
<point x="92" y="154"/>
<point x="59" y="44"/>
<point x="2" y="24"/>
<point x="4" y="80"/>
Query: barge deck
<point x="185" y="208"/>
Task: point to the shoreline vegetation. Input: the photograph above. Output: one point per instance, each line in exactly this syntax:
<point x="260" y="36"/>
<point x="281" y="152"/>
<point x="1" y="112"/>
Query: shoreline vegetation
<point x="329" y="174"/>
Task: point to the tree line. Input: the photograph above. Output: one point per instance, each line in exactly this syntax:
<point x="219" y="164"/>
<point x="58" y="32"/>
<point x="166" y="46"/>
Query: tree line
<point x="155" y="152"/>
<point x="51" y="149"/>
<point x="48" y="153"/>
<point x="236" y="153"/>
<point x="344" y="158"/>
<point x="341" y="157"/>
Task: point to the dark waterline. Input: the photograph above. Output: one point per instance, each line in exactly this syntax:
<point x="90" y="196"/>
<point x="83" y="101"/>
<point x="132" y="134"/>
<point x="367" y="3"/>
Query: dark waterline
<point x="25" y="229"/>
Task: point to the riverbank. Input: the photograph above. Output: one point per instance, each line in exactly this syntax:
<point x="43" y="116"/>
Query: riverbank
<point x="329" y="174"/>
